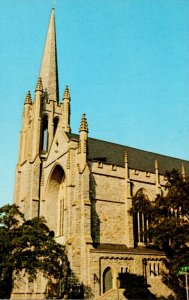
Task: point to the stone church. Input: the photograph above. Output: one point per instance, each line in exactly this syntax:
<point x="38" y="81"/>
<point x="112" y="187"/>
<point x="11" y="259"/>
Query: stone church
<point x="84" y="188"/>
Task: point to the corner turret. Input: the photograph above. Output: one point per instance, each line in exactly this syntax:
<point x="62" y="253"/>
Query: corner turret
<point x="83" y="126"/>
<point x="66" y="110"/>
<point x="36" y="137"/>
<point x="39" y="86"/>
<point x="83" y="140"/>
<point x="25" y="129"/>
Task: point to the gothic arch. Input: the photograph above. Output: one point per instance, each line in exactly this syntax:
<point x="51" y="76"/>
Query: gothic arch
<point x="140" y="220"/>
<point x="55" y="200"/>
<point x="55" y="123"/>
<point x="44" y="133"/>
<point x="108" y="279"/>
<point x="144" y="192"/>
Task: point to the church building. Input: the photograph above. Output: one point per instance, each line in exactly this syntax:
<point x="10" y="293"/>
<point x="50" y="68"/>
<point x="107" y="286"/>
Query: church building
<point x="84" y="188"/>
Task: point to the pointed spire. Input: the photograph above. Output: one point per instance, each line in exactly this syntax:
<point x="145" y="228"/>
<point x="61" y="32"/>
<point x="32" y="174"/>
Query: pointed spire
<point x="28" y="99"/>
<point x="49" y="68"/>
<point x="83" y="125"/>
<point x="66" y="93"/>
<point x="39" y="86"/>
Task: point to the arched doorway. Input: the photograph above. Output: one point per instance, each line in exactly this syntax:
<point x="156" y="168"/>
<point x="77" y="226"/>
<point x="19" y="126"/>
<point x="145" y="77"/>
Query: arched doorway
<point x="55" y="199"/>
<point x="107" y="280"/>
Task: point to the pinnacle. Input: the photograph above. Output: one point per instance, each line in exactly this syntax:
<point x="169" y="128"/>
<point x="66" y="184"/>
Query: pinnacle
<point x="83" y="125"/>
<point x="28" y="99"/>
<point x="66" y="93"/>
<point x="39" y="86"/>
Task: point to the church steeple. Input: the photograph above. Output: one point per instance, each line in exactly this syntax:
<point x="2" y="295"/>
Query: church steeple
<point x="49" y="68"/>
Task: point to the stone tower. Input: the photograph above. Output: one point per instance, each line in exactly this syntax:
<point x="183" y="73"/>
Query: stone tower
<point x="51" y="165"/>
<point x="40" y="121"/>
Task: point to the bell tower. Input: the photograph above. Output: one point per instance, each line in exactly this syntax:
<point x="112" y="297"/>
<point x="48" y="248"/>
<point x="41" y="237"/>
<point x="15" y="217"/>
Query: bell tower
<point x="41" y="118"/>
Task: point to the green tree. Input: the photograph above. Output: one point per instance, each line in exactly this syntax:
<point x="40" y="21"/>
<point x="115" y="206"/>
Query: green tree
<point x="29" y="247"/>
<point x="169" y="227"/>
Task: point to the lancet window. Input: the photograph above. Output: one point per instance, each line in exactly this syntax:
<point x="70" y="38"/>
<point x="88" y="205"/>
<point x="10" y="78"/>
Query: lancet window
<point x="154" y="269"/>
<point x="107" y="280"/>
<point x="44" y="141"/>
<point x="141" y="218"/>
<point x="55" y="121"/>
<point x="55" y="201"/>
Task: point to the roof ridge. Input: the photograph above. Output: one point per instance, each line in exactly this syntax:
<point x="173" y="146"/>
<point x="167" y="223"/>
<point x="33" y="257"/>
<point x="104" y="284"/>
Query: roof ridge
<point x="136" y="149"/>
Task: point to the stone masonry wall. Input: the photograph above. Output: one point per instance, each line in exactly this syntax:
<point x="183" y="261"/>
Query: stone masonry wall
<point x="108" y="222"/>
<point x="130" y="263"/>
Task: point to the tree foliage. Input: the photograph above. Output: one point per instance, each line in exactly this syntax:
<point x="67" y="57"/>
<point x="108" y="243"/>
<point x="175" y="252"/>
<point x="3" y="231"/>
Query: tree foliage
<point x="169" y="226"/>
<point x="29" y="247"/>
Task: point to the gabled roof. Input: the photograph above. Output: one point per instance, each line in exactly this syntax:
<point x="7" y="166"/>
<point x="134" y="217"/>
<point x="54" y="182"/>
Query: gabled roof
<point x="138" y="159"/>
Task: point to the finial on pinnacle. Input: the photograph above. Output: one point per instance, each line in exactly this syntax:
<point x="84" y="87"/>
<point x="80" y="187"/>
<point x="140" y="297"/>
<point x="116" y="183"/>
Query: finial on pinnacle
<point x="28" y="99"/>
<point x="66" y="93"/>
<point x="39" y="86"/>
<point x="83" y="125"/>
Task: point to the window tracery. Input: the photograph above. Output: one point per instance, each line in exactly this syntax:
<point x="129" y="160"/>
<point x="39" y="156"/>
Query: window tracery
<point x="141" y="218"/>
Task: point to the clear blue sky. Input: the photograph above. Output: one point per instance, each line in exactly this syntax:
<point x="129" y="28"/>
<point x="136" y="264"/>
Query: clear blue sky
<point x="126" y="63"/>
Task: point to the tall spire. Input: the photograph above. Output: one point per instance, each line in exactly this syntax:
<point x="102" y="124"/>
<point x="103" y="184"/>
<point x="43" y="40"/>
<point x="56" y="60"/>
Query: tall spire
<point x="49" y="68"/>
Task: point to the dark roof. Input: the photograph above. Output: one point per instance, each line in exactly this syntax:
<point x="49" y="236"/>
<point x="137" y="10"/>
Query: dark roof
<point x="138" y="159"/>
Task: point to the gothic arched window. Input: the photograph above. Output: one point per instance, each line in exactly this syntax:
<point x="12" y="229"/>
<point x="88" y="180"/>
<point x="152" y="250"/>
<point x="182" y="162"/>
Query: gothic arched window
<point x="107" y="280"/>
<point x="55" y="121"/>
<point x="141" y="218"/>
<point x="55" y="199"/>
<point x="44" y="140"/>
